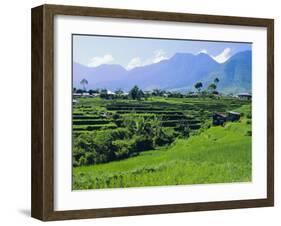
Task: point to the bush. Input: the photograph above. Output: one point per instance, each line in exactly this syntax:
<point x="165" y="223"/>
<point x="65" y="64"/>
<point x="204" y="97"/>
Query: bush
<point x="183" y="128"/>
<point x="116" y="116"/>
<point x="206" y="125"/>
<point x="165" y="136"/>
<point x="90" y="158"/>
<point x="118" y="122"/>
<point x="99" y="146"/>
<point x="74" y="162"/>
<point x="82" y="161"/>
<point x="120" y="133"/>
<point x="143" y="143"/>
<point x="122" y="148"/>
<point x="139" y="134"/>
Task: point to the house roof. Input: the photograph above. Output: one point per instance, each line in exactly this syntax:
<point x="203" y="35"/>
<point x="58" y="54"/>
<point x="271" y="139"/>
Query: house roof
<point x="110" y="92"/>
<point x="244" y="94"/>
<point x="220" y="114"/>
<point x="233" y="113"/>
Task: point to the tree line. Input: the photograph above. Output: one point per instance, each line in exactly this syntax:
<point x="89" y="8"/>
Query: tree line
<point x="212" y="88"/>
<point x="137" y="94"/>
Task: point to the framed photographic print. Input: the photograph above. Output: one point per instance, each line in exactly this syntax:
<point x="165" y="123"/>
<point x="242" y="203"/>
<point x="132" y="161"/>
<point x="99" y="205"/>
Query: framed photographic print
<point x="141" y="112"/>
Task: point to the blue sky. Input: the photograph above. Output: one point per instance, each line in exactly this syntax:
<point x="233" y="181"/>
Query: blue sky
<point x="93" y="51"/>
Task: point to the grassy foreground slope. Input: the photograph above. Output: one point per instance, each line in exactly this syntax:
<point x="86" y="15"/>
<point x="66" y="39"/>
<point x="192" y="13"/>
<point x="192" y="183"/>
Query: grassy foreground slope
<point x="217" y="155"/>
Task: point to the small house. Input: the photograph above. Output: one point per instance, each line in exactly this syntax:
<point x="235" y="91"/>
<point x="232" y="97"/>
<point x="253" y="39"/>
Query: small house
<point x="233" y="116"/>
<point x="244" y="96"/>
<point x="147" y="92"/>
<point x="95" y="94"/>
<point x="219" y="118"/>
<point x="77" y="94"/>
<point x="192" y="94"/>
<point x="110" y="92"/>
<point x="124" y="94"/>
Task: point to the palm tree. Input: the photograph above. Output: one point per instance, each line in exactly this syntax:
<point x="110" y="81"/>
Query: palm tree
<point x="216" y="80"/>
<point x="84" y="82"/>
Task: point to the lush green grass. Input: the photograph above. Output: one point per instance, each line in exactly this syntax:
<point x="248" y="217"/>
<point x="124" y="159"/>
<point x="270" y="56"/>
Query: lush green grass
<point x="217" y="155"/>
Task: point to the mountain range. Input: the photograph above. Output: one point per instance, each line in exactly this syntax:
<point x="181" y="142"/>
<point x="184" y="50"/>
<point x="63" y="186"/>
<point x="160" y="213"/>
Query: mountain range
<point x="179" y="73"/>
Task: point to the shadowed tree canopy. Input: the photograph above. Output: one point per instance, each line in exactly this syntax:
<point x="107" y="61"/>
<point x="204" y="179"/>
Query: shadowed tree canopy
<point x="216" y="80"/>
<point x="198" y="86"/>
<point x="136" y="93"/>
<point x="119" y="91"/>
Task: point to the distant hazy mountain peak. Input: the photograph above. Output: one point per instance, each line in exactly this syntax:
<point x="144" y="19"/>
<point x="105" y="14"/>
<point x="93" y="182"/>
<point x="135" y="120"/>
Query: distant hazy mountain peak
<point x="180" y="72"/>
<point x="178" y="56"/>
<point x="117" y="66"/>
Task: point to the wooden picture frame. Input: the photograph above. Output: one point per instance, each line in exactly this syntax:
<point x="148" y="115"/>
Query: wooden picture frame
<point x="43" y="112"/>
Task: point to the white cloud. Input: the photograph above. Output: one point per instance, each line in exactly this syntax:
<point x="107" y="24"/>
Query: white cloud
<point x="203" y="51"/>
<point x="135" y="62"/>
<point x="158" y="55"/>
<point x="221" y="57"/>
<point x="97" y="61"/>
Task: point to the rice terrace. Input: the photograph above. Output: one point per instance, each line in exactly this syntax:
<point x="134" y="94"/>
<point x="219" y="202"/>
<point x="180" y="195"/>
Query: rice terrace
<point x="185" y="119"/>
